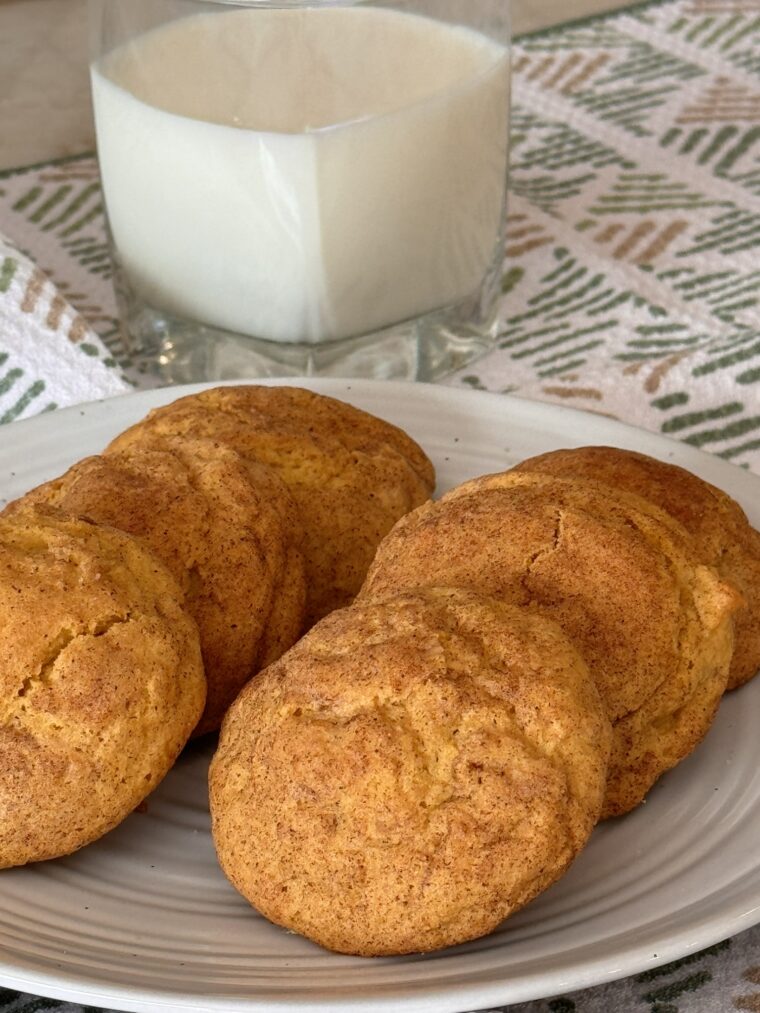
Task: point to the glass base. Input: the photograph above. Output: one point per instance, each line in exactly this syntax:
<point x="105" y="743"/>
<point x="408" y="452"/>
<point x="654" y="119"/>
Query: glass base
<point x="426" y="348"/>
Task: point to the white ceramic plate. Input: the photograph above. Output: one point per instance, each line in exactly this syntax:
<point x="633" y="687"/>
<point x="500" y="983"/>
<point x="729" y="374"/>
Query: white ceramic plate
<point x="144" y="920"/>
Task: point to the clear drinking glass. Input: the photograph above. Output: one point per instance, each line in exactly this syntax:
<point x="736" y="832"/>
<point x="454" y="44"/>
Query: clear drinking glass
<point x="299" y="187"/>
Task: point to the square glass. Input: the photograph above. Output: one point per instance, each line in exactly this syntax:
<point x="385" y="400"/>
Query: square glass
<point x="300" y="188"/>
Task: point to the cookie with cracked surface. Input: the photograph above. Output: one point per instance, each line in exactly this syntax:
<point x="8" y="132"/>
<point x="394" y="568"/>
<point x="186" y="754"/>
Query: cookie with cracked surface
<point x="717" y="525"/>
<point x="101" y="681"/>
<point x="351" y="474"/>
<point x="621" y="578"/>
<point x="227" y="530"/>
<point x="410" y="773"/>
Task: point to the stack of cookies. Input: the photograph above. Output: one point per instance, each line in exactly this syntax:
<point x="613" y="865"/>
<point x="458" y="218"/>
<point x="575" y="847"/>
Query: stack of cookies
<point x="479" y="680"/>
<point x="141" y="590"/>
<point x="527" y="655"/>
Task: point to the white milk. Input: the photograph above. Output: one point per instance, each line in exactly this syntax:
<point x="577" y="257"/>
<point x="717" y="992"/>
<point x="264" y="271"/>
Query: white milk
<point x="303" y="175"/>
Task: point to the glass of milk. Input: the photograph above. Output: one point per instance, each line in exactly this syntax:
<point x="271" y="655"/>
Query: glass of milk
<point x="299" y="187"/>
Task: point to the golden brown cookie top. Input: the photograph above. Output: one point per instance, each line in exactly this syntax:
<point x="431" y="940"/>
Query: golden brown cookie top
<point x="352" y="475"/>
<point x="224" y="526"/>
<point x="410" y="773"/>
<point x="101" y="681"/>
<point x="281" y="415"/>
<point x="571" y="548"/>
<point x="708" y="514"/>
<point x="716" y="524"/>
<point x="617" y="574"/>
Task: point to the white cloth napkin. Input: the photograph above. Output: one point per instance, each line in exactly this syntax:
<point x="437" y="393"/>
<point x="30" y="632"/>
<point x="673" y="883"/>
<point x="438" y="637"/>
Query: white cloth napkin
<point x="49" y="355"/>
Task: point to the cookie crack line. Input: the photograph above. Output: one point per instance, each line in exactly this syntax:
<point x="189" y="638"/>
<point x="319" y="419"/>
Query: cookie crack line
<point x="516" y="733"/>
<point x="395" y="716"/>
<point x="60" y="644"/>
<point x="550" y="548"/>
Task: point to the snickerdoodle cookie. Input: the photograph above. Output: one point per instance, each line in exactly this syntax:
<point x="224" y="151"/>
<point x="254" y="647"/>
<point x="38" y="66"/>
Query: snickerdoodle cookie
<point x="717" y="525"/>
<point x="410" y="773"/>
<point x="619" y="576"/>
<point x="352" y="475"/>
<point x="101" y="681"/>
<point x="227" y="529"/>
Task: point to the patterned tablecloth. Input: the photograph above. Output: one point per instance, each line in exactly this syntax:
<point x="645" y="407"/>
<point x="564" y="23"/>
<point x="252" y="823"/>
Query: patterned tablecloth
<point x="631" y="287"/>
